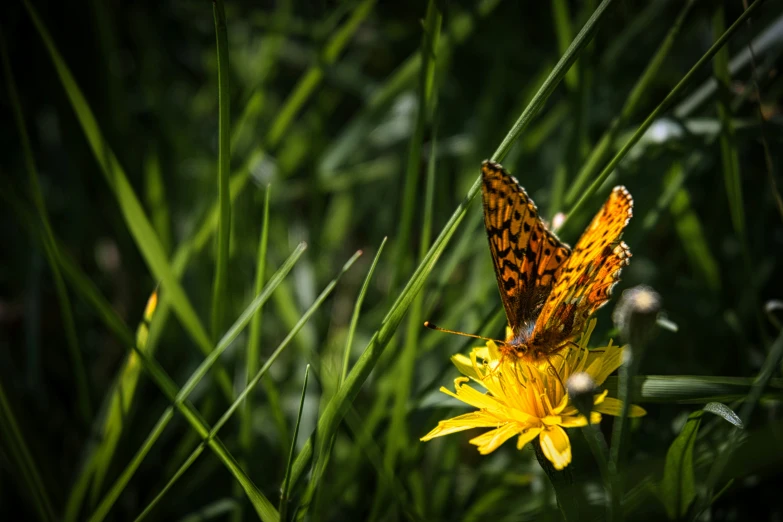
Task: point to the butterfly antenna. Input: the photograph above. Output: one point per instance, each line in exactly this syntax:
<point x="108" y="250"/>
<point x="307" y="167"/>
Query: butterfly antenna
<point x="431" y="326"/>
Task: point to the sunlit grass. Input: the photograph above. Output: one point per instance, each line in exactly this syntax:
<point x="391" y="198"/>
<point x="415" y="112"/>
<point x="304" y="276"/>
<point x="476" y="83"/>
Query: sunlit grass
<point x="337" y="130"/>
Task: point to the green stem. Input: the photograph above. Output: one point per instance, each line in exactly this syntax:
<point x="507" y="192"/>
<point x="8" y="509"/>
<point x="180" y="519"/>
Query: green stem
<point x="563" y="483"/>
<point x="219" y="290"/>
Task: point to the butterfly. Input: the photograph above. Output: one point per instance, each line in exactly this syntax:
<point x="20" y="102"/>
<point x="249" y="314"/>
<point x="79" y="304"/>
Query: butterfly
<point x="548" y="290"/>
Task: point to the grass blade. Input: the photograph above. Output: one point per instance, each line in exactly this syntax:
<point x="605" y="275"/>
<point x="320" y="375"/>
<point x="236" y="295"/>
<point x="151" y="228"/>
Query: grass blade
<point x="552" y="81"/>
<point x="178" y="397"/>
<point x="355" y="316"/>
<point x="286" y="489"/>
<point x="599" y="180"/>
<point x="253" y="357"/>
<point x="313" y="77"/>
<point x="118" y="404"/>
<point x="141" y="229"/>
<point x="19" y="454"/>
<point x="691" y="232"/>
<point x="155" y="193"/>
<point x="50" y="246"/>
<point x="729" y="157"/>
<point x="209" y="437"/>
<point x="304" y="90"/>
<point x="398" y="434"/>
<point x="602" y="149"/>
<point x="426" y="101"/>
<point x="692" y="389"/>
<point x="219" y="293"/>
<point x="322" y="461"/>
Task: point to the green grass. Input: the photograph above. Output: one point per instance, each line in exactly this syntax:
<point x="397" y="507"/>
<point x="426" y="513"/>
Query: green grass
<point x="195" y="152"/>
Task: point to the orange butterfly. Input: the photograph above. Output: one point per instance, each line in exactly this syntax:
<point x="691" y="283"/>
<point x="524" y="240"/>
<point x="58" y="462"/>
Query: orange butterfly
<point x="548" y="291"/>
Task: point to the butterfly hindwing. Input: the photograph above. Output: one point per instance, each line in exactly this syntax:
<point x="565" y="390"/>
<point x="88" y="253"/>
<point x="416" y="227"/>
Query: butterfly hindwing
<point x="528" y="258"/>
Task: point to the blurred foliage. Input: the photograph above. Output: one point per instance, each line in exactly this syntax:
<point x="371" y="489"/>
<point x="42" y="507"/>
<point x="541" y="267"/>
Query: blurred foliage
<point x="368" y="119"/>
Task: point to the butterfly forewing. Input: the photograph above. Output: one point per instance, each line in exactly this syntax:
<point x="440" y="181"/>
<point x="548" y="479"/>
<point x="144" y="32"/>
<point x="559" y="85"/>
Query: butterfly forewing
<point x="528" y="258"/>
<point x="588" y="276"/>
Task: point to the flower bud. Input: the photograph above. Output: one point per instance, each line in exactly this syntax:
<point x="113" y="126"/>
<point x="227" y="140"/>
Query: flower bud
<point x="636" y="314"/>
<point x="581" y="388"/>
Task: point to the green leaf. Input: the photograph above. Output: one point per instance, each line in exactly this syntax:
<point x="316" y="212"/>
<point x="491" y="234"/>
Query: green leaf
<point x="19" y="455"/>
<point x="219" y="289"/>
<point x="286" y="488"/>
<point x="720" y="409"/>
<point x="678" y="487"/>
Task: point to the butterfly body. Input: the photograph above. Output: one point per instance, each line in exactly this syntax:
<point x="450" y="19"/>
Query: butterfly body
<point x="549" y="291"/>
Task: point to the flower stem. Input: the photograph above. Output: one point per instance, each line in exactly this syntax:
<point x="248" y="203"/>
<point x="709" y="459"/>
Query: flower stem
<point x="563" y="482"/>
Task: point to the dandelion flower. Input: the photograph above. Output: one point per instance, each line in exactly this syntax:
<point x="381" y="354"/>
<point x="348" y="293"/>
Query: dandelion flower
<point x="526" y="400"/>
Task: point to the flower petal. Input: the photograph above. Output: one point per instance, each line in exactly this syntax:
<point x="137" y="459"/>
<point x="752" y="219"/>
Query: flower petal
<point x="603" y="365"/>
<point x="556" y="446"/>
<point x="573" y="421"/>
<point x="475" y="398"/>
<point x="464" y="422"/>
<point x="577" y="421"/>
<point x="465" y="366"/>
<point x="491" y="440"/>
<point x="600" y="397"/>
<point x="526" y="436"/>
<point x="612" y="406"/>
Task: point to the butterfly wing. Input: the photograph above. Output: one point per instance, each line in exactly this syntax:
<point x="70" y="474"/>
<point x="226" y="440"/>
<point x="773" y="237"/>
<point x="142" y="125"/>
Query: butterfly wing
<point x="586" y="280"/>
<point x="526" y="255"/>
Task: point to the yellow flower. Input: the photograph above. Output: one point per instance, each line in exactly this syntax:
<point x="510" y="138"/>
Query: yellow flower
<point x="529" y="400"/>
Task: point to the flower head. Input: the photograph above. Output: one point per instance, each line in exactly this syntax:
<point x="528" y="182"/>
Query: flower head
<point x="526" y="400"/>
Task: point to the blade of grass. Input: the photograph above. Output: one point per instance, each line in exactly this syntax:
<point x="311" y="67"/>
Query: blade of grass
<point x="219" y="294"/>
<point x="427" y="95"/>
<point x="304" y="90"/>
<point x="726" y="139"/>
<point x="253" y="358"/>
<point x="356" y="311"/>
<point x="286" y="488"/>
<point x="320" y="462"/>
<point x="552" y="81"/>
<point x="403" y="374"/>
<point x="691" y="389"/>
<point x="565" y="34"/>
<point x="768" y="40"/>
<point x="85" y="289"/>
<point x="178" y="397"/>
<point x="599" y="180"/>
<point x="731" y="165"/>
<point x="404" y="371"/>
<point x="155" y="193"/>
<point x="640" y="89"/>
<point x="50" y="246"/>
<point x="398" y="433"/>
<point x="691" y="232"/>
<point x="314" y="75"/>
<point x="133" y="213"/>
<point x="251" y="385"/>
<point x="118" y="404"/>
<point x="330" y="418"/>
<point x="460" y="26"/>
<point x="19" y="454"/>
